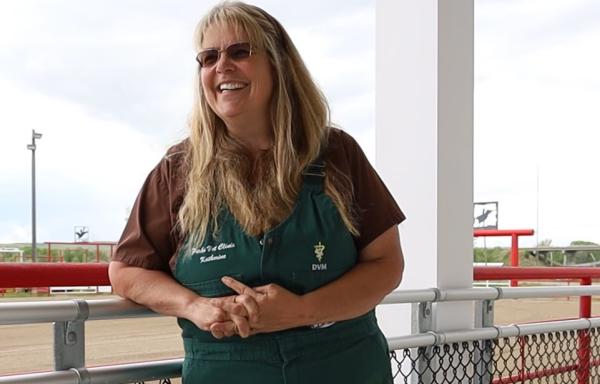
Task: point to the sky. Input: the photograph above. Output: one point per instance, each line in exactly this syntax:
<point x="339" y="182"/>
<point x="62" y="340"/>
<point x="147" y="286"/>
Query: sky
<point x="537" y="115"/>
<point x="109" y="85"/>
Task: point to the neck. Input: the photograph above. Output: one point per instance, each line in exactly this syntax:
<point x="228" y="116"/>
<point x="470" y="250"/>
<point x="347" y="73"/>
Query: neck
<point x="255" y="137"/>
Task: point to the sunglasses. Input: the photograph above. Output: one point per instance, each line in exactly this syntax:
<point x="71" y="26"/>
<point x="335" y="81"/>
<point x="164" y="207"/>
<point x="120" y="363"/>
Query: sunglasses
<point x="236" y="52"/>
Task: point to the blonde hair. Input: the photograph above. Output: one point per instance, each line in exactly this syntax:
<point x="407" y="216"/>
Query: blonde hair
<point x="219" y="168"/>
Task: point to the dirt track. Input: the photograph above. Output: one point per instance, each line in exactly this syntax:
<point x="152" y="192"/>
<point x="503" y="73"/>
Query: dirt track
<point x="29" y="347"/>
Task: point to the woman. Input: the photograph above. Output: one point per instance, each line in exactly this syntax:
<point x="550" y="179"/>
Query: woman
<point x="266" y="232"/>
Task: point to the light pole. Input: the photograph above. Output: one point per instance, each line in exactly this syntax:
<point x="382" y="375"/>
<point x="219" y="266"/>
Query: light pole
<point x="31" y="147"/>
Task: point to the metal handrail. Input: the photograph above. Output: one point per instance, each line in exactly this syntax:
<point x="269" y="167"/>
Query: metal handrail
<point x="132" y="372"/>
<point x="68" y="310"/>
<point x="437" y="338"/>
<point x="492" y="293"/>
<point x="78" y="310"/>
<point x="31" y="312"/>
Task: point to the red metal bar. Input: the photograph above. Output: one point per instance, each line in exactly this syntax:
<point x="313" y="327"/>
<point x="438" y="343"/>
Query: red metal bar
<point x="541" y="373"/>
<point x="585" y="303"/>
<point x="502" y="232"/>
<point x="534" y="273"/>
<point x="514" y="251"/>
<point x="514" y="256"/>
<point x="25" y="275"/>
<point x="535" y="375"/>
<point x="514" y="247"/>
<point x="583" y="352"/>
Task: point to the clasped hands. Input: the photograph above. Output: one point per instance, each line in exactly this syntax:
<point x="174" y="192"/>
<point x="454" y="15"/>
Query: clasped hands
<point x="266" y="308"/>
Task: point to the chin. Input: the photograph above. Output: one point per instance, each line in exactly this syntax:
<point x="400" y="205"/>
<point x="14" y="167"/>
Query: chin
<point x="229" y="115"/>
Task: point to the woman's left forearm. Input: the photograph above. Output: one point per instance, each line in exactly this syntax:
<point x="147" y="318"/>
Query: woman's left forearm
<point x="360" y="289"/>
<point x="353" y="294"/>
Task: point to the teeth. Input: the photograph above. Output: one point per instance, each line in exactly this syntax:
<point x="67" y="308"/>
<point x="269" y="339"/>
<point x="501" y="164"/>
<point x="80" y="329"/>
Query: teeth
<point x="231" y="86"/>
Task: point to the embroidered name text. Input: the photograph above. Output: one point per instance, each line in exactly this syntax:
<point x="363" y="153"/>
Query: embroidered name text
<point x="206" y="259"/>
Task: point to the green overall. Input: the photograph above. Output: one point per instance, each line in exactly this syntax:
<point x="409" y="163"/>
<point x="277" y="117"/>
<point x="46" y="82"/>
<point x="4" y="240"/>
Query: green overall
<point x="311" y="248"/>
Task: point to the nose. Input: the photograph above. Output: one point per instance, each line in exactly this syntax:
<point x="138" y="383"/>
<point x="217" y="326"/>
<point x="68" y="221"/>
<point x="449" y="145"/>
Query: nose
<point x="224" y="63"/>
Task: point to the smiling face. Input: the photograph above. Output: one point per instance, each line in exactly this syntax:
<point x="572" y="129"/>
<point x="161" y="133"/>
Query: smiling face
<point x="237" y="90"/>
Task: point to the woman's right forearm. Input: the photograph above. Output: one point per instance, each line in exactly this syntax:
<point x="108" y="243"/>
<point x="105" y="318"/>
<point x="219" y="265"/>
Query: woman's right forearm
<point x="153" y="289"/>
<point x="161" y="293"/>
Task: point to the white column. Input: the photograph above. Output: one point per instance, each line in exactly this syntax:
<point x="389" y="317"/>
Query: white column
<point x="424" y="146"/>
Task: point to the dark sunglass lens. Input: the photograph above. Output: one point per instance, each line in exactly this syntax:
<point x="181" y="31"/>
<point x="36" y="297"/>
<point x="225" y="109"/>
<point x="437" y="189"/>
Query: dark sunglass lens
<point x="208" y="57"/>
<point x="239" y="51"/>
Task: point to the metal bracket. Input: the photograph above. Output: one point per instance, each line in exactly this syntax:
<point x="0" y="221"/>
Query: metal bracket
<point x="422" y="322"/>
<point x="69" y="339"/>
<point x="484" y="314"/>
<point x="484" y="318"/>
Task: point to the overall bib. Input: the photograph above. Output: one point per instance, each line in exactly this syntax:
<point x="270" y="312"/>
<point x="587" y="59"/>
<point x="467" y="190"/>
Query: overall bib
<point x="309" y="249"/>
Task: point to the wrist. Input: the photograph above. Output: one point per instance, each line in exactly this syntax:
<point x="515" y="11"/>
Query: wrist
<point x="189" y="305"/>
<point x="309" y="311"/>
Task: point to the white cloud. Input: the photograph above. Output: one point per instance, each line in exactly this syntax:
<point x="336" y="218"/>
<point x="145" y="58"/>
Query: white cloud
<point x="10" y="233"/>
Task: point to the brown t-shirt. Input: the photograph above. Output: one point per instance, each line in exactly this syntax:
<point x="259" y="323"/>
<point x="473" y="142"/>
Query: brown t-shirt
<point x="150" y="239"/>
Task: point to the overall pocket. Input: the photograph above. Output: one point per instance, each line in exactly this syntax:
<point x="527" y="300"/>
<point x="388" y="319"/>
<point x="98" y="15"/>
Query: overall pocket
<point x="214" y="287"/>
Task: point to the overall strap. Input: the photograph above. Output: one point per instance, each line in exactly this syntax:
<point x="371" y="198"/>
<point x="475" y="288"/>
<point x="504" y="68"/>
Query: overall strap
<point x="314" y="174"/>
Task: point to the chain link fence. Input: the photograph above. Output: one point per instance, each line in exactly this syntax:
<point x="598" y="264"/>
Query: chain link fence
<point x="571" y="357"/>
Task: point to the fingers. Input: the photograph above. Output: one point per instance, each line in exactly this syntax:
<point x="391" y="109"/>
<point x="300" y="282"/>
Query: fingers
<point x="238" y="325"/>
<point x="229" y="305"/>
<point x="222" y="329"/>
<point x="250" y="306"/>
<point x="217" y="334"/>
<point x="240" y="288"/>
<point x="240" y="305"/>
<point x="242" y="327"/>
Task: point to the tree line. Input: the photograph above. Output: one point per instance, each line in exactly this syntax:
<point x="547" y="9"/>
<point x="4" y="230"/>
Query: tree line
<point x="526" y="258"/>
<point x="68" y="255"/>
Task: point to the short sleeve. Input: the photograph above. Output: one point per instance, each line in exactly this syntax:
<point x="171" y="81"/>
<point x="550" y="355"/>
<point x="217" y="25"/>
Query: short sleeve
<point x="375" y="209"/>
<point x="146" y="240"/>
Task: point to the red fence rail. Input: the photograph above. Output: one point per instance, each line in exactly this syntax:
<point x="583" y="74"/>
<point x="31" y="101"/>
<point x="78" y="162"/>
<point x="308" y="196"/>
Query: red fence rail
<point x="27" y="275"/>
<point x="514" y="234"/>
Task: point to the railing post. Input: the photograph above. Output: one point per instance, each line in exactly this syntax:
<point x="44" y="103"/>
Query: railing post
<point x="484" y="317"/>
<point x="583" y="353"/>
<point x="422" y="315"/>
<point x="69" y="340"/>
<point x="514" y="256"/>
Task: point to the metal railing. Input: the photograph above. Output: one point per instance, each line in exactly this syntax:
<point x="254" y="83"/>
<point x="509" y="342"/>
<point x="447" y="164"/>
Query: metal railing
<point x="70" y="316"/>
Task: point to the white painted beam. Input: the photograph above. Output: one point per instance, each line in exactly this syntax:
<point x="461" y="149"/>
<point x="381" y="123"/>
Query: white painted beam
<point x="424" y="145"/>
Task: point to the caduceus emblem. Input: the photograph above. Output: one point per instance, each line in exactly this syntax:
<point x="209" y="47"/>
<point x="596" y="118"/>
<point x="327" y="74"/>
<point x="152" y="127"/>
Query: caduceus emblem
<point x="319" y="251"/>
